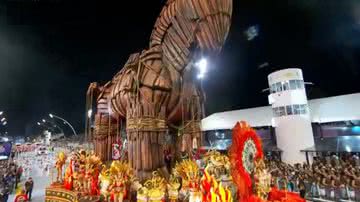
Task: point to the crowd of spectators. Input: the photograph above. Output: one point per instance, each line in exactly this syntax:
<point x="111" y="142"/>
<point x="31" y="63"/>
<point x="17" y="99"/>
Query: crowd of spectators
<point x="328" y="177"/>
<point x="10" y="174"/>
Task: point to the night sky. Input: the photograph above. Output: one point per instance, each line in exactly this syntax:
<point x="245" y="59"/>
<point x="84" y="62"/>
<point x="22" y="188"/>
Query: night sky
<point x="50" y="50"/>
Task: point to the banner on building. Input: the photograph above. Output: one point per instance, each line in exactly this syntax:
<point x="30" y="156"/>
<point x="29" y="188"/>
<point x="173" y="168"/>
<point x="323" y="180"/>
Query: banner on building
<point x="5" y="150"/>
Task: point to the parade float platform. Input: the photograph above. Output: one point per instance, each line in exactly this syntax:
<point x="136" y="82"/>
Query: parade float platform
<point x="60" y="194"/>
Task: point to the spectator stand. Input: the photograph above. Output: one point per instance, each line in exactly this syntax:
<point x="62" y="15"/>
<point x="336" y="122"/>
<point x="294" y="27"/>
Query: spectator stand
<point x="336" y="168"/>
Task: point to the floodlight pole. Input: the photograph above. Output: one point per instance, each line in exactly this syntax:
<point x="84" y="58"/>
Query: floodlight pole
<point x="65" y="121"/>
<point x="48" y="124"/>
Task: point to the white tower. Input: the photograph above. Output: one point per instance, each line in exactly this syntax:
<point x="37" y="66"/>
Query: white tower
<point x="291" y="116"/>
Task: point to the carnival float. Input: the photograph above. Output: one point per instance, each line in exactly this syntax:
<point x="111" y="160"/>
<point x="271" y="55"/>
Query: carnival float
<point x="157" y="102"/>
<point x="215" y="177"/>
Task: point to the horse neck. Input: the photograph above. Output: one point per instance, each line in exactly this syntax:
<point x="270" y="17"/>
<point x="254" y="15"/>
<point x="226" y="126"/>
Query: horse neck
<point x="175" y="35"/>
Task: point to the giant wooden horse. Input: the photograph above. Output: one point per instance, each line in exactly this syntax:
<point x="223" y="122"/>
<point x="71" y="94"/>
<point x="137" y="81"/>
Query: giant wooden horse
<point x="156" y="91"/>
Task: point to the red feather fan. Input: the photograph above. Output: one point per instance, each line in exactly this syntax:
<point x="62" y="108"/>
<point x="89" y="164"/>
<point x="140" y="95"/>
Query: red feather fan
<point x="241" y="134"/>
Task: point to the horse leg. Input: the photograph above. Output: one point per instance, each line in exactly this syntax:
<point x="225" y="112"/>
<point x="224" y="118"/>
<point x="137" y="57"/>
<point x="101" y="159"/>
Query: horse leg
<point x="146" y="130"/>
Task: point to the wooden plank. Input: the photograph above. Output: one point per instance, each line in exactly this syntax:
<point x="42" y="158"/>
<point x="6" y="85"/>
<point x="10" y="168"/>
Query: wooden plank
<point x="212" y="27"/>
<point x="135" y="152"/>
<point x="192" y="12"/>
<point x="154" y="152"/>
<point x="206" y="36"/>
<point x="139" y="158"/>
<point x="174" y="57"/>
<point x="145" y="150"/>
<point x="130" y="151"/>
<point x="182" y="35"/>
<point x="171" y="60"/>
<point x="178" y="45"/>
<point x="186" y="28"/>
<point x="161" y="24"/>
<point x="200" y="13"/>
<point x="167" y="15"/>
<point x="147" y="153"/>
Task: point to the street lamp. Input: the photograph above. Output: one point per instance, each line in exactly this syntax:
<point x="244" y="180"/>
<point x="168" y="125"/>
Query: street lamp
<point x="4" y="123"/>
<point x="3" y="119"/>
<point x="1" y="113"/>
<point x="65" y="122"/>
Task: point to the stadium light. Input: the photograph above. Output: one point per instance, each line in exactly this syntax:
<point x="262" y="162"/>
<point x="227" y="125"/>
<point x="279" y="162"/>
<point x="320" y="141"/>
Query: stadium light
<point x="89" y="113"/>
<point x="202" y="66"/>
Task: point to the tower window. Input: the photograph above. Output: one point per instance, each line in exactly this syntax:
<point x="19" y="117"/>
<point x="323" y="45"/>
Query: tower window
<point x="289" y="110"/>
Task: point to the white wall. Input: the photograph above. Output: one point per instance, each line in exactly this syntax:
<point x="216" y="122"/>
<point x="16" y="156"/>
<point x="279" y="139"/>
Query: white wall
<point x="323" y="110"/>
<point x="337" y="108"/>
<point x="294" y="133"/>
